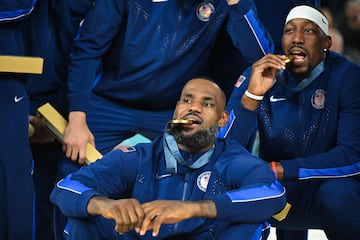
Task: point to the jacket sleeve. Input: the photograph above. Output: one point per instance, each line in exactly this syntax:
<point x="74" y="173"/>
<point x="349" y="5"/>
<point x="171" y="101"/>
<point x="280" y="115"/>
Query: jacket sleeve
<point x="255" y="195"/>
<point x="94" y="37"/>
<point x="242" y="124"/>
<point x="73" y="193"/>
<point x="11" y="10"/>
<point x="254" y="204"/>
<point x="247" y="32"/>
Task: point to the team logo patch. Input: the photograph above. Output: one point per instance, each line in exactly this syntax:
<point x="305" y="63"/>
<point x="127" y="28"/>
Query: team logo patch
<point x="203" y="180"/>
<point x="240" y="80"/>
<point x="318" y="99"/>
<point x="127" y="149"/>
<point x="205" y="10"/>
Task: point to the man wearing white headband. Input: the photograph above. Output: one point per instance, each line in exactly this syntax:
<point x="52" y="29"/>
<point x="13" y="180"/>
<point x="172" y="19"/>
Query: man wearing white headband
<point x="305" y="106"/>
<point x="309" y="13"/>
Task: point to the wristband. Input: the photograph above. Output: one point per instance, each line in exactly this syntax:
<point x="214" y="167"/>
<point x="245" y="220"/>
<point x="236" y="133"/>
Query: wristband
<point x="273" y="167"/>
<point x="253" y="96"/>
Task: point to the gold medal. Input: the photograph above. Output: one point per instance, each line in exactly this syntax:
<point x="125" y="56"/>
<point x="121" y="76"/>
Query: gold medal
<point x="180" y="121"/>
<point x="289" y="59"/>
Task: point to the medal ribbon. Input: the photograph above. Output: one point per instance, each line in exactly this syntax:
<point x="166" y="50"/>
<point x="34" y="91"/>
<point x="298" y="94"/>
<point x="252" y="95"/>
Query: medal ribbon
<point x="305" y="82"/>
<point x="173" y="155"/>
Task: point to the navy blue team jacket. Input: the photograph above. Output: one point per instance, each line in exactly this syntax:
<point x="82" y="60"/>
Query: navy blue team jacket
<point x="314" y="132"/>
<point x="140" y="53"/>
<point x="12" y="36"/>
<point x="242" y="186"/>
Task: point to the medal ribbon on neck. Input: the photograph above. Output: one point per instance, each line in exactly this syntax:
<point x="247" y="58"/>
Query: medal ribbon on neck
<point x="314" y="74"/>
<point x="173" y="155"/>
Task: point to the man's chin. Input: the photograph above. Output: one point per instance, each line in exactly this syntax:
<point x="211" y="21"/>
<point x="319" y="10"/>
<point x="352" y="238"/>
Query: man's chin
<point x="189" y="131"/>
<point x="301" y="71"/>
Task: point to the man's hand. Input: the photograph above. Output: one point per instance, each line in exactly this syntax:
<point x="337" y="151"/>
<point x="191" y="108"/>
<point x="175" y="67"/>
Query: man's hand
<point x="232" y="2"/>
<point x="127" y="213"/>
<point x="170" y="211"/>
<point x="41" y="134"/>
<point x="262" y="77"/>
<point x="278" y="169"/>
<point x="76" y="137"/>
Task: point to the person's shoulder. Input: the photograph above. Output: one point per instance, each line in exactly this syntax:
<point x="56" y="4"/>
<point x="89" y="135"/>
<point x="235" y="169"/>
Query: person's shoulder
<point x="336" y="61"/>
<point x="227" y="142"/>
<point x="236" y="156"/>
<point x="231" y="146"/>
<point x="342" y="75"/>
<point x="147" y="146"/>
<point x="140" y="152"/>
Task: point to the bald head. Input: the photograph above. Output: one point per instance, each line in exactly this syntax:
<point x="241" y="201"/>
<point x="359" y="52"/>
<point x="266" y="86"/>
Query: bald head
<point x="209" y="87"/>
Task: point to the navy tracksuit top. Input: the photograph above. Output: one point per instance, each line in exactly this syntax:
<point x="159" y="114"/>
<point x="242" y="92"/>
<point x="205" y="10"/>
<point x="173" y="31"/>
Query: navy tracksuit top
<point x="242" y="186"/>
<point x="140" y="53"/>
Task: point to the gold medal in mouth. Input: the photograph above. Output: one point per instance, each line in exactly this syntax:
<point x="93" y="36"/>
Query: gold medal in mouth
<point x="181" y="121"/>
<point x="289" y="58"/>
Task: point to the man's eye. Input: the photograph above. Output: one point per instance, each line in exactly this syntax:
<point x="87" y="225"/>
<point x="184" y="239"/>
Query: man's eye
<point x="208" y="104"/>
<point x="309" y="30"/>
<point x="186" y="100"/>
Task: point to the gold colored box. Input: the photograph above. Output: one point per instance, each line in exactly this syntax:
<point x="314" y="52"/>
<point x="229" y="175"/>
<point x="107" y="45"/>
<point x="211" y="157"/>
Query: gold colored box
<point x="283" y="213"/>
<point x="21" y="64"/>
<point x="57" y="125"/>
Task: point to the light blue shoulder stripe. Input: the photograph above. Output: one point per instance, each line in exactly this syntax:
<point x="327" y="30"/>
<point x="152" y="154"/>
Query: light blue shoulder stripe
<point x="346" y="171"/>
<point x="259" y="193"/>
<point x="72" y="185"/>
<point x="16" y="14"/>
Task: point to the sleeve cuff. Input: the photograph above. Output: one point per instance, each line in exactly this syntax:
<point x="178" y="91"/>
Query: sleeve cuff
<point x="83" y="201"/>
<point x="291" y="169"/>
<point x="222" y="203"/>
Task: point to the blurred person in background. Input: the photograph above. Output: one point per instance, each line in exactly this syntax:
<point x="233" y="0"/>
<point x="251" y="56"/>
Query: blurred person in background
<point x="336" y="36"/>
<point x="349" y="26"/>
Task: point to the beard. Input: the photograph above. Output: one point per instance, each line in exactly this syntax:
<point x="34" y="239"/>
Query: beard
<point x="198" y="140"/>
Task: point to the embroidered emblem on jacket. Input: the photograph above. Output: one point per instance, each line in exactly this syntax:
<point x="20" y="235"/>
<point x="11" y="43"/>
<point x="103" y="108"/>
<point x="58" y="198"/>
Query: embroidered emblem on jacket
<point x="318" y="99"/>
<point x="203" y="180"/>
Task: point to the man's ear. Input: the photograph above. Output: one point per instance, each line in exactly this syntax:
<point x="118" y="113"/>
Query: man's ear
<point x="223" y="119"/>
<point x="327" y="42"/>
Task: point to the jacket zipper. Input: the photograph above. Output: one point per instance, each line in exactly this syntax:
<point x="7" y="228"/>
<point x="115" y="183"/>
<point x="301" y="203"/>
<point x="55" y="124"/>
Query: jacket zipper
<point x="186" y="180"/>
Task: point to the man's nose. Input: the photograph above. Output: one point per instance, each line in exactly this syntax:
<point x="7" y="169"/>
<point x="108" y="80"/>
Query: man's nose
<point x="298" y="37"/>
<point x="196" y="107"/>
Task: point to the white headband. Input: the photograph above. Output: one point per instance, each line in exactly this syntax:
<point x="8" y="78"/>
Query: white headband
<point x="311" y="14"/>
